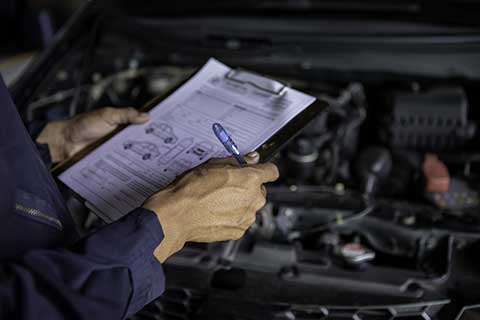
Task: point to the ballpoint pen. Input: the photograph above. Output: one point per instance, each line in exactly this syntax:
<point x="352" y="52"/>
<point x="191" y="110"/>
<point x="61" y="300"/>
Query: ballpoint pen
<point x="228" y="143"/>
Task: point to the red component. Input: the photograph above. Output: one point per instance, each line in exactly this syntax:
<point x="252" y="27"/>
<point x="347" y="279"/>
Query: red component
<point x="437" y="177"/>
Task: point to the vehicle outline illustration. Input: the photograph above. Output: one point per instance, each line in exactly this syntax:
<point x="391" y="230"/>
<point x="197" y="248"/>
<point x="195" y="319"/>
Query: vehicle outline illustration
<point x="176" y="150"/>
<point x="162" y="131"/>
<point x="179" y="166"/>
<point x="145" y="149"/>
<point x="201" y="149"/>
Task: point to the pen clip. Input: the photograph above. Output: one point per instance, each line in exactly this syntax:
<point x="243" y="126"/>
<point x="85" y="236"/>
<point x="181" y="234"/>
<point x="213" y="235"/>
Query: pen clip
<point x="257" y="81"/>
<point x="227" y="141"/>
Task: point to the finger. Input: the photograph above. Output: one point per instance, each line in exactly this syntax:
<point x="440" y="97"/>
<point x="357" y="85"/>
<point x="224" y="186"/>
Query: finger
<point x="132" y="115"/>
<point x="247" y="219"/>
<point x="252" y="157"/>
<point x="260" y="202"/>
<point x="142" y="117"/>
<point x="124" y="116"/>
<point x="220" y="234"/>
<point x="237" y="235"/>
<point x="267" y="172"/>
<point x="226" y="161"/>
<point x="251" y="220"/>
<point x="263" y="190"/>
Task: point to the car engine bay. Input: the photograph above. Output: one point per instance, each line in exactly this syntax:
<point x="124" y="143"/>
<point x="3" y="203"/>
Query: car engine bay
<point x="376" y="214"/>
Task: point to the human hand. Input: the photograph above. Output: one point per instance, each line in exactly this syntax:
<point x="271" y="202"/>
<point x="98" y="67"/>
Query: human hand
<point x="67" y="137"/>
<point x="216" y="201"/>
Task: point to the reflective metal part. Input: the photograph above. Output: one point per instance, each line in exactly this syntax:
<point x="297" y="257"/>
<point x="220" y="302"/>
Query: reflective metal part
<point x="355" y="253"/>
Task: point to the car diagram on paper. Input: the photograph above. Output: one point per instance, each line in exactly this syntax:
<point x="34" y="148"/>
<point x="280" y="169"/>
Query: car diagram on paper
<point x="162" y="131"/>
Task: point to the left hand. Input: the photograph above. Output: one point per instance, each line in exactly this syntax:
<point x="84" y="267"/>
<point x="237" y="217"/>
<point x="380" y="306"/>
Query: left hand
<point x="66" y="137"/>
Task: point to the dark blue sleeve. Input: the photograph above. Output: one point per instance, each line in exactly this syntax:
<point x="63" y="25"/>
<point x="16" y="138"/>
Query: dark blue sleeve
<point x="34" y="128"/>
<point x="109" y="275"/>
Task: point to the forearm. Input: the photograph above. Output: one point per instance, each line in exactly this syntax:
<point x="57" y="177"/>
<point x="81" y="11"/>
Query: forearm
<point x="108" y="275"/>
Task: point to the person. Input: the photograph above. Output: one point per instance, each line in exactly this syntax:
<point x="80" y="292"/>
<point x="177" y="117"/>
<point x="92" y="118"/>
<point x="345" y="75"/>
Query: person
<point x="47" y="272"/>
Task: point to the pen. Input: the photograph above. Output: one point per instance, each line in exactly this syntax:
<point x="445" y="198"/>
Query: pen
<point x="228" y="143"/>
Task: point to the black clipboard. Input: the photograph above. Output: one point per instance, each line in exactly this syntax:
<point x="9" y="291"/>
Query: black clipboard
<point x="267" y="150"/>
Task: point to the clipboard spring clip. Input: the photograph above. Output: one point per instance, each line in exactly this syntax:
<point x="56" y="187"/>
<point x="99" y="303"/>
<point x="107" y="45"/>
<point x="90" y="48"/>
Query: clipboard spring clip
<point x="257" y="81"/>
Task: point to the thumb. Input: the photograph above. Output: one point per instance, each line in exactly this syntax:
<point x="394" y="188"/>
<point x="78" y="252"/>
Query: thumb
<point x="251" y="158"/>
<point x="125" y="116"/>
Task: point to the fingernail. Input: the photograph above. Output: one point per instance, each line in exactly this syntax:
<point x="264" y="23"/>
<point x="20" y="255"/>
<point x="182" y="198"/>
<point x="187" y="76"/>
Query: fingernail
<point x="144" y="116"/>
<point x="253" y="155"/>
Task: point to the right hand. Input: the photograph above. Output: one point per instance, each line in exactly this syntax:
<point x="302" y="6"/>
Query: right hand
<point x="216" y="201"/>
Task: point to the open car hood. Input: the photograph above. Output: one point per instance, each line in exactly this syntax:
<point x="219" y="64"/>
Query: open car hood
<point x="456" y="12"/>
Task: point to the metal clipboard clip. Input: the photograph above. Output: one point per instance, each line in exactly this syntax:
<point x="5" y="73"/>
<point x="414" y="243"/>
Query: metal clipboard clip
<point x="260" y="82"/>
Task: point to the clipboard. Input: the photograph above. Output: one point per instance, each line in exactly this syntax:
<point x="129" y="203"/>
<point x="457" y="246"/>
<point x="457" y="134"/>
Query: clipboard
<point x="260" y="84"/>
<point x="267" y="150"/>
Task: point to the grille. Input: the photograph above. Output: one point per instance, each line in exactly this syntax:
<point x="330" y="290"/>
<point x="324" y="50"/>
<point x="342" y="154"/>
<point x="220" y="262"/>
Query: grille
<point x="421" y="311"/>
<point x="183" y="304"/>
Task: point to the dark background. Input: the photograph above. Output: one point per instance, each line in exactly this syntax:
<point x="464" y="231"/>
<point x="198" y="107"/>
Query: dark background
<point x="31" y="24"/>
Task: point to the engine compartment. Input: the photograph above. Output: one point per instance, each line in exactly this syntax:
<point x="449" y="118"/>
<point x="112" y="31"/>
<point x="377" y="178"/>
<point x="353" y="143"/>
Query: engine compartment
<point x="375" y="215"/>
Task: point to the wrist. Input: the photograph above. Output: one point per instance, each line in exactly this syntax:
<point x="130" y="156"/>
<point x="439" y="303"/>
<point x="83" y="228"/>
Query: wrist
<point x="169" y="213"/>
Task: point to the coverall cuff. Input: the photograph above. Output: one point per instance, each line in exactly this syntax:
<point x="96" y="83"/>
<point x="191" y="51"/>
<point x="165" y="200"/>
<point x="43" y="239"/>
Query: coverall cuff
<point x="148" y="280"/>
<point x="34" y="128"/>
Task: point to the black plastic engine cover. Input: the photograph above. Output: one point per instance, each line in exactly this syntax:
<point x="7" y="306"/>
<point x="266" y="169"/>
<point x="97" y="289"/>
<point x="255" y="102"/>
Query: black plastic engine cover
<point x="435" y="120"/>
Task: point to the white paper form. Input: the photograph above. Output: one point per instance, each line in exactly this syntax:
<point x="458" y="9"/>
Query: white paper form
<point x="121" y="174"/>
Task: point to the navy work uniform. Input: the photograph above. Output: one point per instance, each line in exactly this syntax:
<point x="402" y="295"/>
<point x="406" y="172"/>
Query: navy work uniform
<point x="45" y="271"/>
